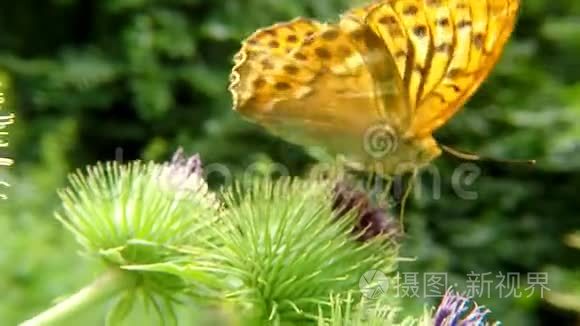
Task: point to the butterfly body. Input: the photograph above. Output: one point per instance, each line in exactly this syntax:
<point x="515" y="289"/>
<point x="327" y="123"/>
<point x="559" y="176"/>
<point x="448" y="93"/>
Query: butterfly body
<point x="374" y="86"/>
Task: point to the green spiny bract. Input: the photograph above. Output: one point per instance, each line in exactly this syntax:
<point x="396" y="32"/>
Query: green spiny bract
<point x="282" y="250"/>
<point x="137" y="218"/>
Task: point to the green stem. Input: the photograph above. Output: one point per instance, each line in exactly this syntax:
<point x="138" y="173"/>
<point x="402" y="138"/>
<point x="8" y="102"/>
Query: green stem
<point x="102" y="288"/>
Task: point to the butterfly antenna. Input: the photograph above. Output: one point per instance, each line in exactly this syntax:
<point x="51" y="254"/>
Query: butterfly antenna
<point x="474" y="157"/>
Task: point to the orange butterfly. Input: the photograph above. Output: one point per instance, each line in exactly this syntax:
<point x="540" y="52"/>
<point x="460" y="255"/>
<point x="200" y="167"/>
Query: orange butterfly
<point x="374" y="86"/>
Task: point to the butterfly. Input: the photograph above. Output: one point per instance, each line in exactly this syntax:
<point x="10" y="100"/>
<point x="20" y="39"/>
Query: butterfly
<point x="374" y="86"/>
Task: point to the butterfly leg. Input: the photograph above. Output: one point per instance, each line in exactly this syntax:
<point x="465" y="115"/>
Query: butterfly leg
<point x="408" y="189"/>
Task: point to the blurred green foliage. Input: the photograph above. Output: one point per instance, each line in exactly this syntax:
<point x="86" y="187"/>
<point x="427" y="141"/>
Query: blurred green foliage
<point x="566" y="285"/>
<point x="145" y="76"/>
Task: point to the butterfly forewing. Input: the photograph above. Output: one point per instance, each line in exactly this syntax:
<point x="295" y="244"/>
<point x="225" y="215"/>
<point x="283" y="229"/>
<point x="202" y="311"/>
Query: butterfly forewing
<point x="326" y="89"/>
<point x="256" y="79"/>
<point x="444" y="49"/>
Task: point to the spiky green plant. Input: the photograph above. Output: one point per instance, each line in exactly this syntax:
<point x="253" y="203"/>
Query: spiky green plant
<point x="345" y="310"/>
<point x="135" y="218"/>
<point x="286" y="252"/>
<point x="282" y="249"/>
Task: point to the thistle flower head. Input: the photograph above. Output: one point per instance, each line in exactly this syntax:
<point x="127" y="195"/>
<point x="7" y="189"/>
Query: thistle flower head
<point x="137" y="217"/>
<point x="457" y="310"/>
<point x="283" y="251"/>
<point x="113" y="205"/>
<point x="372" y="219"/>
<point x="182" y="173"/>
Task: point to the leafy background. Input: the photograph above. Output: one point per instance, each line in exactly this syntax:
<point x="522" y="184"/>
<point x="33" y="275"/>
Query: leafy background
<point x="126" y="79"/>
